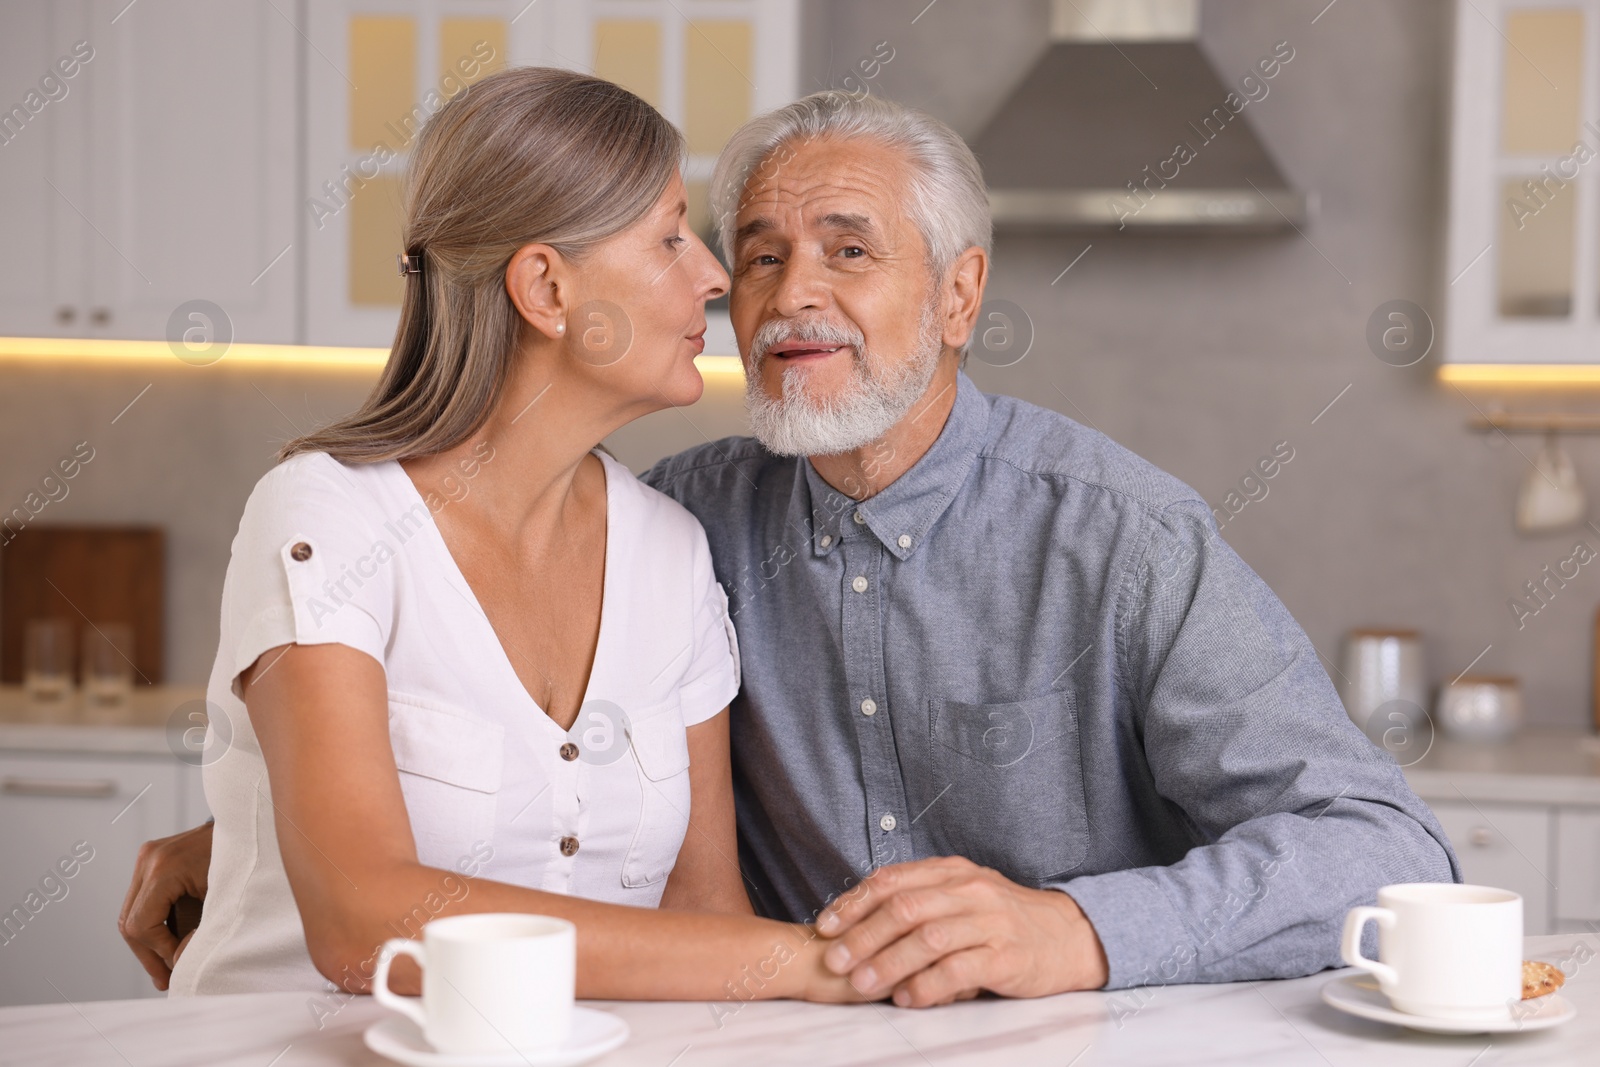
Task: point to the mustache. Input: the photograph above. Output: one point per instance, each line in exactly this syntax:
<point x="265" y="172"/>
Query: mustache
<point x="817" y="331"/>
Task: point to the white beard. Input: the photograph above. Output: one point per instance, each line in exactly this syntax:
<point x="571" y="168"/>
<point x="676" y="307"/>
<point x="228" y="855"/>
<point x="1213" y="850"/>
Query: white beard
<point x="878" y="396"/>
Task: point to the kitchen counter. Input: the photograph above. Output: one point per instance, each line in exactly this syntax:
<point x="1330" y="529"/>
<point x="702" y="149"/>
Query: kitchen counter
<point x="1538" y="766"/>
<point x="138" y="730"/>
<point x="1281" y="1022"/>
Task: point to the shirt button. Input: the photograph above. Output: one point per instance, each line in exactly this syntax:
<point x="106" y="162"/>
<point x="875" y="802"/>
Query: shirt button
<point x="905" y="541"/>
<point x="869" y="707"/>
<point x="859" y="584"/>
<point x="569" y="751"/>
<point x="569" y="846"/>
<point x="827" y="539"/>
<point x="860" y="518"/>
<point x="301" y="551"/>
<point x="887" y="822"/>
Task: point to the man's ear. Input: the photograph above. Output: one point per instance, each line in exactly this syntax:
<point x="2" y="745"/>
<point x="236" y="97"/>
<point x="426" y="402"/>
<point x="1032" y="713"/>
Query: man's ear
<point x="964" y="296"/>
<point x="533" y="281"/>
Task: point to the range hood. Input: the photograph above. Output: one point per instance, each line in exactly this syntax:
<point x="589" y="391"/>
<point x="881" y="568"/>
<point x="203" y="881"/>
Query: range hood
<point x="1123" y="123"/>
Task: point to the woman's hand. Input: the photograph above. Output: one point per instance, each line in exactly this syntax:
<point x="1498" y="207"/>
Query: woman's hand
<point x="816" y="982"/>
<point x="167" y="870"/>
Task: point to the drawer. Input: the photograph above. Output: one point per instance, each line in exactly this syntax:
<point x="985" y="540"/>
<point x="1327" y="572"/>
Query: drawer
<point x="1578" y="849"/>
<point x="1505" y="845"/>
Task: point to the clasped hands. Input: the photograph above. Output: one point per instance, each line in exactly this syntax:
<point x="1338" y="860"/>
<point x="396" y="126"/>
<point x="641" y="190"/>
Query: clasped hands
<point x="939" y="930"/>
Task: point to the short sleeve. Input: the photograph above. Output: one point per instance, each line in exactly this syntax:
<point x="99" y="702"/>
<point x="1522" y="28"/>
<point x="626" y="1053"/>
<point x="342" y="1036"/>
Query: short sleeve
<point x="307" y="567"/>
<point x="712" y="678"/>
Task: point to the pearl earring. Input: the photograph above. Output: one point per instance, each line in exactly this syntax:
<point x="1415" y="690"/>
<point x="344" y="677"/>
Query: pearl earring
<point x="561" y="327"/>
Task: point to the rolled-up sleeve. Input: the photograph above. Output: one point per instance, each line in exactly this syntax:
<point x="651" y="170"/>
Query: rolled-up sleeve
<point x="307" y="568"/>
<point x="1299" y="815"/>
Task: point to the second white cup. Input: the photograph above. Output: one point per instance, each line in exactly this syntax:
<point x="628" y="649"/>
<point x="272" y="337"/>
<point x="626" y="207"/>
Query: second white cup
<point x="1447" y="951"/>
<point x="492" y="982"/>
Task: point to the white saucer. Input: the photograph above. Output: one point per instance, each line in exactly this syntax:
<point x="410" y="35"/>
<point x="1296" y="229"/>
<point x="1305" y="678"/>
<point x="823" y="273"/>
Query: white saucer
<point x="1358" y="994"/>
<point x="594" y="1033"/>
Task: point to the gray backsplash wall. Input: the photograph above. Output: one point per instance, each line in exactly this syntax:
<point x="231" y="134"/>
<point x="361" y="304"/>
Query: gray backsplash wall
<point x="1199" y="353"/>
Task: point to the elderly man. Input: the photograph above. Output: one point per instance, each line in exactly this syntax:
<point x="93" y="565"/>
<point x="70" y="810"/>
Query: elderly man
<point x="1014" y="718"/>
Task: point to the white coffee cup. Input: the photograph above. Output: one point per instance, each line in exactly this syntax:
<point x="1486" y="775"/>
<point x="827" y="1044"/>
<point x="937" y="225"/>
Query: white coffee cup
<point x="490" y="982"/>
<point x="1449" y="951"/>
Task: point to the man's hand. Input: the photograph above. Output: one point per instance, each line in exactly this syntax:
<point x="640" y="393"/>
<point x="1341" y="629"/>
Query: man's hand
<point x="937" y="930"/>
<point x="167" y="869"/>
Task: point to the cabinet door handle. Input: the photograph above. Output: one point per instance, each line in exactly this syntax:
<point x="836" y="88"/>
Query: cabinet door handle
<point x="65" y="314"/>
<point x="58" y="787"/>
<point x="1481" y="836"/>
<point x="100" y="316"/>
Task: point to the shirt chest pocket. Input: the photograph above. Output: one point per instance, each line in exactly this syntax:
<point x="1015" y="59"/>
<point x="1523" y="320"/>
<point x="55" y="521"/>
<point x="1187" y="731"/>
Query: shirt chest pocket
<point x="660" y="748"/>
<point x="450" y="765"/>
<point x="1014" y="782"/>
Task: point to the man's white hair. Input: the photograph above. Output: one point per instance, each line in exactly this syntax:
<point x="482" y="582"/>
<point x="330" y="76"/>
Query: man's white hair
<point x="946" y="198"/>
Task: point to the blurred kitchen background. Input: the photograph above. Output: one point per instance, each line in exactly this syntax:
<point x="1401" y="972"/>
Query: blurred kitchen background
<point x="1374" y="273"/>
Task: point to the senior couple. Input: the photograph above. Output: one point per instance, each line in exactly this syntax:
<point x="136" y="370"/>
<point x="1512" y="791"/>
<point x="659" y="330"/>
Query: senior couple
<point x="920" y="693"/>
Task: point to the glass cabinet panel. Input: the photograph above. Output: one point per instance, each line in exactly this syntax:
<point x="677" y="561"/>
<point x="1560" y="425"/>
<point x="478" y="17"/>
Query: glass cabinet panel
<point x="717" y="82"/>
<point x="1541" y="111"/>
<point x="463" y="45"/>
<point x="1543" y="81"/>
<point x="374" y="242"/>
<point x="628" y="52"/>
<point x="387" y="105"/>
<point x="1536" y="247"/>
<point x="383" y="77"/>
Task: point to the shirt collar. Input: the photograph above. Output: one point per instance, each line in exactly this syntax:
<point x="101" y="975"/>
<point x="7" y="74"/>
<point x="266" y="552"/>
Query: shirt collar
<point x="902" y="514"/>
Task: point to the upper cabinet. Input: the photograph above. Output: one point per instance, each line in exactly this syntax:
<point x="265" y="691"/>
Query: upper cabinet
<point x="376" y="69"/>
<point x="147" y="155"/>
<point x="235" y="166"/>
<point x="708" y="65"/>
<point x="1523" y="258"/>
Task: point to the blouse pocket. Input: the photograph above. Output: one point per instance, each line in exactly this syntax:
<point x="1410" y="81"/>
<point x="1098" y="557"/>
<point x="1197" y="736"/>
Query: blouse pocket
<point x="450" y="766"/>
<point x="1015" y="797"/>
<point x="660" y="747"/>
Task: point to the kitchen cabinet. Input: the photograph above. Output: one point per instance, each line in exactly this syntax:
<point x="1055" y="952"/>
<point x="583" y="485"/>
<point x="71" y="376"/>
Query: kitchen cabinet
<point x="76" y="802"/>
<point x="44" y="117"/>
<point x="70" y="827"/>
<point x="1578" y="843"/>
<point x="376" y="69"/>
<point x="1524" y="816"/>
<point x="163" y="176"/>
<point x="1504" y="845"/>
<point x="1523" y="257"/>
<point x="232" y="170"/>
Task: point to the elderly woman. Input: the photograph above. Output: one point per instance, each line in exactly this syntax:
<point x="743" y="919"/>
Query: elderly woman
<point x="468" y="661"/>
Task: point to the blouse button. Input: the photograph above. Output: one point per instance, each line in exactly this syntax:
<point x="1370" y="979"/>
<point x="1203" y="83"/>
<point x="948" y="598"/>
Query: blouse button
<point x="860" y="518"/>
<point x="827" y="539"/>
<point x="569" y="751"/>
<point x="859" y="583"/>
<point x="569" y="846"/>
<point x="904" y="541"/>
<point x="301" y="551"/>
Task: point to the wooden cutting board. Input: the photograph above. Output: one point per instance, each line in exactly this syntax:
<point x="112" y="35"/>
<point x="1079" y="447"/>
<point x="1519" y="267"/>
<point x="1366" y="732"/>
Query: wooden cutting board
<point x="85" y="574"/>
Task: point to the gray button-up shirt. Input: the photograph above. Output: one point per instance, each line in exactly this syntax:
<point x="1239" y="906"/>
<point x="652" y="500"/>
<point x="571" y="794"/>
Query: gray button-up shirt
<point x="1032" y="649"/>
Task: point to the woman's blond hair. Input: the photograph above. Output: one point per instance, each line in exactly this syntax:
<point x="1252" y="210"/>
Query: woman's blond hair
<point x="527" y="155"/>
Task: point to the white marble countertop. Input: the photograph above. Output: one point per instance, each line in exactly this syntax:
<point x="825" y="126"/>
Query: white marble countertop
<point x="138" y="730"/>
<point x="1277" y="1023"/>
<point x="1538" y="766"/>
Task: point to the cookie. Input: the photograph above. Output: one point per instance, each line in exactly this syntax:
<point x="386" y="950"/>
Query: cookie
<point x="1539" y="979"/>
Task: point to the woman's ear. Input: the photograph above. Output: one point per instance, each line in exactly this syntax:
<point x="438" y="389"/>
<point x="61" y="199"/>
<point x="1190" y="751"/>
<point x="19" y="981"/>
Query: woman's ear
<point x="533" y="281"/>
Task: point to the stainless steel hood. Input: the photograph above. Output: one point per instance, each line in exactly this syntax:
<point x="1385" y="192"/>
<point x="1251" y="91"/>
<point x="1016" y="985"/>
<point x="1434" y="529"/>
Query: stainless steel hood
<point x="1123" y="123"/>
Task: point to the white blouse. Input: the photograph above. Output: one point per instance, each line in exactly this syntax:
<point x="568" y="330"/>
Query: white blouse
<point x="328" y="552"/>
